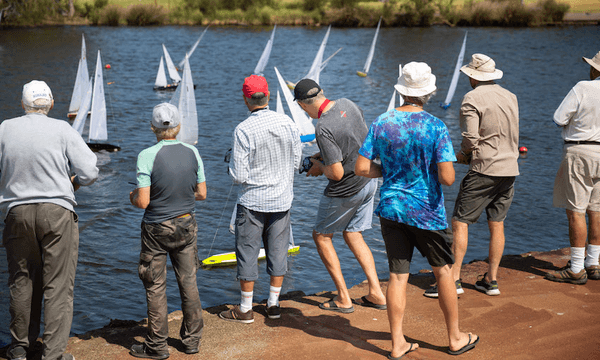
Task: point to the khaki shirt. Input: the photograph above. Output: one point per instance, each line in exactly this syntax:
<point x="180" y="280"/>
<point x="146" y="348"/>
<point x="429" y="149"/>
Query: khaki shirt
<point x="489" y="123"/>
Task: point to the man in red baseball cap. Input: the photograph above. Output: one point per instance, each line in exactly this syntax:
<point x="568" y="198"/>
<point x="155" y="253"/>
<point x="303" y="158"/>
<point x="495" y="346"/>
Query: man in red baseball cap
<point x="266" y="151"/>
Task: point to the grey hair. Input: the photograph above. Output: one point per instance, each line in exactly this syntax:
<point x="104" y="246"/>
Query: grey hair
<point x="422" y="100"/>
<point x="311" y="100"/>
<point x="258" y="99"/>
<point x="41" y="107"/>
<point x="168" y="133"/>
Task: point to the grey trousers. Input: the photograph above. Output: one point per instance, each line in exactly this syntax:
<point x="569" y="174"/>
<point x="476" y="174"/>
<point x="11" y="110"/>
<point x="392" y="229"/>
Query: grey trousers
<point x="42" y="242"/>
<point x="178" y="239"/>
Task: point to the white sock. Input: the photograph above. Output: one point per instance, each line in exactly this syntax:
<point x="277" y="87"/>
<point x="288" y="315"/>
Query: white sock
<point x="577" y="256"/>
<point x="593" y="251"/>
<point x="273" y="296"/>
<point x="246" y="303"/>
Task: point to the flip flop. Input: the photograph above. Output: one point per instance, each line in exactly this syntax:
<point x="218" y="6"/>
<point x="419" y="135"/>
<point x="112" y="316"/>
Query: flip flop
<point x="367" y="303"/>
<point x="333" y="307"/>
<point x="410" y="349"/>
<point x="470" y="345"/>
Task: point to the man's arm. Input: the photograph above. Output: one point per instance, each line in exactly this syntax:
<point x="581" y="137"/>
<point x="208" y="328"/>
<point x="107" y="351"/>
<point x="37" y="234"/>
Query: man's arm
<point x="140" y="197"/>
<point x="469" y="126"/>
<point x="239" y="166"/>
<point x="200" y="192"/>
<point x="367" y="168"/>
<point x="446" y="173"/>
<point x="333" y="172"/>
<point x="566" y="109"/>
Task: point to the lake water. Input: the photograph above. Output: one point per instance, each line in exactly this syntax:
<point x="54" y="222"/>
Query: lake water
<point x="540" y="66"/>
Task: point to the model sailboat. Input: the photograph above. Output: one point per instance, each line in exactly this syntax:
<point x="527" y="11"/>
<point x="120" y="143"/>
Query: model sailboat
<point x="98" y="129"/>
<point x="264" y="58"/>
<point x="304" y="123"/>
<point x="81" y="82"/>
<point x="392" y="103"/>
<point x="161" y="77"/>
<point x="454" y="82"/>
<point x="185" y="100"/>
<point x="192" y="49"/>
<point x="371" y="53"/>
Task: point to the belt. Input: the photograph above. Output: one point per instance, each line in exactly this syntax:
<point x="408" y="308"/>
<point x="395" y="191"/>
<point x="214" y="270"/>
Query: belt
<point x="182" y="216"/>
<point x="582" y="142"/>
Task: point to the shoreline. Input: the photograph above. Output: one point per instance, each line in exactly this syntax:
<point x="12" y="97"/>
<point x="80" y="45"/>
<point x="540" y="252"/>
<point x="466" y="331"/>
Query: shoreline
<point x="532" y="318"/>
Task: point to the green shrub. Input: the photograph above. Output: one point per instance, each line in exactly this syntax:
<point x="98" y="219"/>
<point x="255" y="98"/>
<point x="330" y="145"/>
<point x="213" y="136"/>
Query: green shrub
<point x="111" y="15"/>
<point x="416" y="13"/>
<point x="145" y="15"/>
<point x="551" y="11"/>
<point x="31" y="12"/>
<point x="339" y="4"/>
<point x="515" y="14"/>
<point x="310" y="5"/>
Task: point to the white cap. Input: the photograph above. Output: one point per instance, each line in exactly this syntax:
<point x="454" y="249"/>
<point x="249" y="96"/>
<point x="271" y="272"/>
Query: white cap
<point x="416" y="80"/>
<point x="165" y="116"/>
<point x="36" y="90"/>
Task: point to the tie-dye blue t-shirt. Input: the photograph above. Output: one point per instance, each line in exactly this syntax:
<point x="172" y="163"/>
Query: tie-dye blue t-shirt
<point x="410" y="145"/>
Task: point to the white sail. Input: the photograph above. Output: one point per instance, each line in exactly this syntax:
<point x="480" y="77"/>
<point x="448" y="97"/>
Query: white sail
<point x="326" y="61"/>
<point x="82" y="113"/>
<point x="192" y="49"/>
<point x="81" y="80"/>
<point x="315" y="69"/>
<point x="98" y="129"/>
<point x="161" y="77"/>
<point x="279" y="108"/>
<point x="392" y="103"/>
<point x="185" y="100"/>
<point x="264" y="58"/>
<point x="298" y="115"/>
<point x="456" y="74"/>
<point x="372" y="50"/>
<point x="173" y="74"/>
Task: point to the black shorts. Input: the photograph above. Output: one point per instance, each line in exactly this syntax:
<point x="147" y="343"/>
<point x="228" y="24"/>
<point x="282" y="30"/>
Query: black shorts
<point x="478" y="192"/>
<point x="401" y="239"/>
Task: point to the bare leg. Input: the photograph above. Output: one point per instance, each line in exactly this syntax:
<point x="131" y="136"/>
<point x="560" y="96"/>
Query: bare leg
<point x="363" y="254"/>
<point x="496" y="248"/>
<point x="247" y="286"/>
<point x="332" y="264"/>
<point x="460" y="239"/>
<point x="449" y="305"/>
<point x="276" y="281"/>
<point x="594" y="223"/>
<point x="396" y="303"/>
<point x="577" y="228"/>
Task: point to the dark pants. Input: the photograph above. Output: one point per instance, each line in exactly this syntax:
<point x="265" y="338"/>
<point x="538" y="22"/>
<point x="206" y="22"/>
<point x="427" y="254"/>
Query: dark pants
<point x="41" y="242"/>
<point x="177" y="238"/>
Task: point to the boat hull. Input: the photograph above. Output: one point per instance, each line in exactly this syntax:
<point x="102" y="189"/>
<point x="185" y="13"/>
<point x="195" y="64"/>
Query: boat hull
<point x="106" y="147"/>
<point x="361" y="74"/>
<point x="229" y="259"/>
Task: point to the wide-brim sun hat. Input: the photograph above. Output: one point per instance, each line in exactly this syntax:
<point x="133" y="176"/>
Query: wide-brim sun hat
<point x="594" y="62"/>
<point x="482" y="68"/>
<point x="416" y="80"/>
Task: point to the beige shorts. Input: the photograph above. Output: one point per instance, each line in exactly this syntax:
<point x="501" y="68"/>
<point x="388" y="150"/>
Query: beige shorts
<point x="577" y="183"/>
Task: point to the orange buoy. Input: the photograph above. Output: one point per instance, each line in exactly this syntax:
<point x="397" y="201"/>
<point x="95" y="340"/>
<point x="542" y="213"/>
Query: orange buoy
<point x="107" y="66"/>
<point x="522" y="149"/>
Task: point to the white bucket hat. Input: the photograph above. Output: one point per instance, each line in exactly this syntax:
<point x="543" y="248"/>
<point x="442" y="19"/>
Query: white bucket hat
<point x="35" y="90"/>
<point x="416" y="80"/>
<point x="165" y="116"/>
<point x="594" y="62"/>
<point x="482" y="68"/>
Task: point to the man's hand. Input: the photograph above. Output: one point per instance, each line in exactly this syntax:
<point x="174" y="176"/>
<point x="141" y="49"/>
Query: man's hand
<point x="461" y="158"/>
<point x="316" y="168"/>
<point x="75" y="185"/>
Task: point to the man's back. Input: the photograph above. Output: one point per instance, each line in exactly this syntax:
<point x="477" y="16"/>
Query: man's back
<point x="489" y="118"/>
<point x="579" y="112"/>
<point x="266" y="152"/>
<point x="37" y="156"/>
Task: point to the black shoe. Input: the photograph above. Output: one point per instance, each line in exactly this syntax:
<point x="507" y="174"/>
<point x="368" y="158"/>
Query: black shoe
<point x="191" y="351"/>
<point x="16" y="353"/>
<point x="142" y="351"/>
<point x="274" y="312"/>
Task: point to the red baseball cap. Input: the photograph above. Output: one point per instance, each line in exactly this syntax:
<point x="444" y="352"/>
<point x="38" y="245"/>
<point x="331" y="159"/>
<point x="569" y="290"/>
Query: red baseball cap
<point x="255" y="84"/>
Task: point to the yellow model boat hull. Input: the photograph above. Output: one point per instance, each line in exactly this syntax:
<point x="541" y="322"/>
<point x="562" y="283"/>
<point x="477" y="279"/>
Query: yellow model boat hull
<point x="361" y="74"/>
<point x="229" y="259"/>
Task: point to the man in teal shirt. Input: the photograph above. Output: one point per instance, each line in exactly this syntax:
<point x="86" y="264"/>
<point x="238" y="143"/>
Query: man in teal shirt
<point x="170" y="178"/>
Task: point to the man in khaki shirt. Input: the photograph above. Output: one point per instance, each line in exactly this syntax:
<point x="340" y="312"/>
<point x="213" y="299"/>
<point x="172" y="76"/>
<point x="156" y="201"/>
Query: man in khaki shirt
<point x="489" y="121"/>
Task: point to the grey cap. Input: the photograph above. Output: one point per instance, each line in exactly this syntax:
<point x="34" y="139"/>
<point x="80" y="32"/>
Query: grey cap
<point x="165" y="116"/>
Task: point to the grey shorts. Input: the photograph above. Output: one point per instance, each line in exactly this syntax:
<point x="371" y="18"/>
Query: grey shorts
<point x="478" y="192"/>
<point x="352" y="214"/>
<point x="577" y="183"/>
<point x="254" y="229"/>
<point x="401" y="239"/>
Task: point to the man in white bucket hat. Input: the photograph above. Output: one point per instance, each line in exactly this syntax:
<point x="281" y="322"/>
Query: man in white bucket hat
<point x="577" y="185"/>
<point x="489" y="122"/>
<point x="43" y="162"/>
<point x="416" y="160"/>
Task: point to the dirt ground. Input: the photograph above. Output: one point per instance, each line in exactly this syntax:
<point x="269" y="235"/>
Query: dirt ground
<point x="532" y="319"/>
